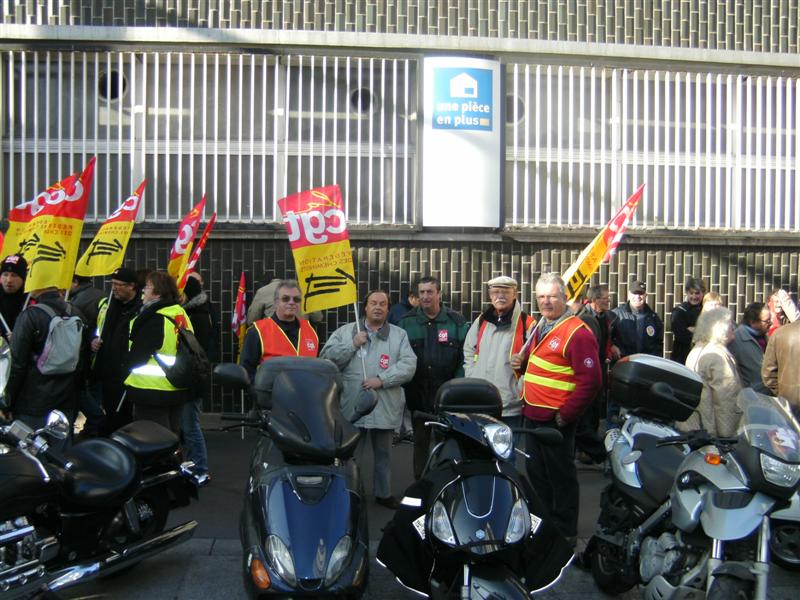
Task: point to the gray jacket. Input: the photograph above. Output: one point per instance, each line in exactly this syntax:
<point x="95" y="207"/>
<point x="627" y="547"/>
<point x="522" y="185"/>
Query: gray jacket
<point x="749" y="357"/>
<point x="388" y="356"/>
<point x="492" y="362"/>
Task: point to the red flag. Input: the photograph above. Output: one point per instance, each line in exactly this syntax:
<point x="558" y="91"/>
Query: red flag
<point x="239" y="319"/>
<point x="179" y="255"/>
<point x="1" y="243"/>
<point x="198" y="249"/>
<point x="619" y="222"/>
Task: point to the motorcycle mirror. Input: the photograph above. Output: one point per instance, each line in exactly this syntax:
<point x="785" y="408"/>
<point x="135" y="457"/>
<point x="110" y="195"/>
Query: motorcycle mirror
<point x="232" y="376"/>
<point x="549" y="436"/>
<point x="366" y="401"/>
<point x="57" y="425"/>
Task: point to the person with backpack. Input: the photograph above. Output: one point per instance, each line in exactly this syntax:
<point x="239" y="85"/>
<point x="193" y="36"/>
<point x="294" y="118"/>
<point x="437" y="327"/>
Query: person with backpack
<point x="495" y="336"/>
<point x="46" y="351"/>
<point x="152" y="349"/>
<point x="197" y="305"/>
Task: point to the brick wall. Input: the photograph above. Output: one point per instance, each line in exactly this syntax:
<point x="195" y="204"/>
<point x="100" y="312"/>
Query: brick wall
<point x="740" y="274"/>
<point x="752" y="25"/>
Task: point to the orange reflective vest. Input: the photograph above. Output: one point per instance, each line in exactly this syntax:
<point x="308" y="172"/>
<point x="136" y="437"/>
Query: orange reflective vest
<point x="550" y="378"/>
<point x="275" y="343"/>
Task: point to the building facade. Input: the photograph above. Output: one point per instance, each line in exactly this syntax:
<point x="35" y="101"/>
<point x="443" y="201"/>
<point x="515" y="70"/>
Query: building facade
<point x="249" y="101"/>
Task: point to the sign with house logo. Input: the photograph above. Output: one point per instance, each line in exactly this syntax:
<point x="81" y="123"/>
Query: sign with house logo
<point x="462" y="99"/>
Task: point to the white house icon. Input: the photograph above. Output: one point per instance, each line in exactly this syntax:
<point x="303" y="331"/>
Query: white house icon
<point x="463" y="86"/>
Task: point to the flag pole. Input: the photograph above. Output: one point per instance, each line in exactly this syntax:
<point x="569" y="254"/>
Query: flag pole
<point x="358" y="328"/>
<point x="5" y="323"/>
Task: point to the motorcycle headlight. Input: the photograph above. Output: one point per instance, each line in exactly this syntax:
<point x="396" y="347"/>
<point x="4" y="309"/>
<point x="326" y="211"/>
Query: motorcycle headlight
<point x="440" y="524"/>
<point x="500" y="439"/>
<point x="281" y="559"/>
<point x="778" y="472"/>
<point x="338" y="559"/>
<point x="518" y="523"/>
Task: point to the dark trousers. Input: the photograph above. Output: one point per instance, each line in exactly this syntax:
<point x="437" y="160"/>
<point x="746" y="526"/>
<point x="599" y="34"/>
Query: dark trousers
<point x="422" y="444"/>
<point x="551" y="470"/>
<point x="111" y="395"/>
<point x="587" y="438"/>
<point x="166" y="416"/>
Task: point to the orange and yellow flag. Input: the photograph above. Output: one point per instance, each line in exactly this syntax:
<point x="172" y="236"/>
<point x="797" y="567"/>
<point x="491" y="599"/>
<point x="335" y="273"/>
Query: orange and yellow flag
<point x="198" y="249"/>
<point x="601" y="248"/>
<point x="182" y="248"/>
<point x="47" y="230"/>
<point x="317" y="228"/>
<point x="107" y="250"/>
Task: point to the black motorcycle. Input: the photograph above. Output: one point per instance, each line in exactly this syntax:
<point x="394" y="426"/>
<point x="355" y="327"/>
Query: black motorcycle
<point x="304" y="521"/>
<point x="472" y="527"/>
<point x="98" y="507"/>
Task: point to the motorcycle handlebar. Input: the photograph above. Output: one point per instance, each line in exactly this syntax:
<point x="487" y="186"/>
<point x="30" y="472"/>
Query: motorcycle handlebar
<point x="56" y="459"/>
<point x="425" y="416"/>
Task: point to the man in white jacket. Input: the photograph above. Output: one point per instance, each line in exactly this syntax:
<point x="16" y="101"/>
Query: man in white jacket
<point x="496" y="335"/>
<point x="373" y="354"/>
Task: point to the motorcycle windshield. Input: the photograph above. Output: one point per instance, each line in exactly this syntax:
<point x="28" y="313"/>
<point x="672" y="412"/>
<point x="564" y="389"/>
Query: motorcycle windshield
<point x="310" y="524"/>
<point x="768" y="425"/>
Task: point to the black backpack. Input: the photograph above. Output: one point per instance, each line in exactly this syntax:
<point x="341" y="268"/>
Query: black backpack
<point x="192" y="367"/>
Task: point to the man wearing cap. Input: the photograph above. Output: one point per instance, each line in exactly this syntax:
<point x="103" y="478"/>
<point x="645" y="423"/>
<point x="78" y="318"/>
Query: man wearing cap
<point x="494" y="337"/>
<point x="562" y="378"/>
<point x="638" y="327"/>
<point x="110" y="346"/>
<point x="12" y="292"/>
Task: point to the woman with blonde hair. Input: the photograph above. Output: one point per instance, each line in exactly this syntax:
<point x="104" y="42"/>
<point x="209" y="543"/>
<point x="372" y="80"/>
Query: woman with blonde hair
<point x="710" y="301"/>
<point x="718" y="411"/>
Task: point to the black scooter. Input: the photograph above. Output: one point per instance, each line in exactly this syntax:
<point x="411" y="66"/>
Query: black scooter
<point x="304" y="522"/>
<point x="472" y="527"/>
<point x="98" y="507"/>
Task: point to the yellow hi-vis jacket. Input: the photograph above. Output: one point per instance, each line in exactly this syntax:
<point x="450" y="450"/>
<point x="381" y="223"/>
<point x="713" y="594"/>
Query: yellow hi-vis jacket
<point x="150" y="376"/>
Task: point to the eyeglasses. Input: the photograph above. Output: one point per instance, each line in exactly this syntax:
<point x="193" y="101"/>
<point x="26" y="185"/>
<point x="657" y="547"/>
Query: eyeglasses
<point x="287" y="299"/>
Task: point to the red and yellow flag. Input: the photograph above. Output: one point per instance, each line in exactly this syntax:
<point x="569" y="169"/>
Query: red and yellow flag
<point x="47" y="230"/>
<point x="107" y="250"/>
<point x="239" y="318"/>
<point x="317" y="228"/>
<point x="182" y="248"/>
<point x="198" y="249"/>
<point x="601" y="248"/>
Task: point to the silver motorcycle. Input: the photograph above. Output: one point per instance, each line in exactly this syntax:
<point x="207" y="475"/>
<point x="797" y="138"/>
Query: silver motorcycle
<point x="691" y="513"/>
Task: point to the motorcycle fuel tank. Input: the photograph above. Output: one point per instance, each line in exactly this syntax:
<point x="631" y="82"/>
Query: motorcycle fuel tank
<point x="22" y="485"/>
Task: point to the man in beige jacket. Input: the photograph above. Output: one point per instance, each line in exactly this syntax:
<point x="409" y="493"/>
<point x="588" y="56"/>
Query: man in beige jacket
<point x="779" y="369"/>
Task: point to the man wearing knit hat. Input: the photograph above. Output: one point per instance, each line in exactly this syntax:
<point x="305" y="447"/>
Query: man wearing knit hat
<point x="13" y="271"/>
<point x="110" y="345"/>
<point x="498" y="333"/>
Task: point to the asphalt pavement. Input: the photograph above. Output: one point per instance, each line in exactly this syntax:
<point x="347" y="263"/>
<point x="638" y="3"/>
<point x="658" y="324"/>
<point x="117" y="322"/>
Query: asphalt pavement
<point x="209" y="565"/>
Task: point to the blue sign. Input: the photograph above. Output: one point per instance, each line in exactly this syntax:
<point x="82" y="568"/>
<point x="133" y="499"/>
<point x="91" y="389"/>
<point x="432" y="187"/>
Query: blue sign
<point x="462" y="99"/>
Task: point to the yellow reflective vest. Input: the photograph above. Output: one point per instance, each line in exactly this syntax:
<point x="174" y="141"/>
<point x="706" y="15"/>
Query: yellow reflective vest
<point x="150" y="376"/>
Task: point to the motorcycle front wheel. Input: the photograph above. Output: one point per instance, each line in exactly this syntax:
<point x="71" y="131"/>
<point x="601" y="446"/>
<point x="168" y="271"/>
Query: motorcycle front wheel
<point x="608" y="571"/>
<point x="726" y="587"/>
<point x="784" y="544"/>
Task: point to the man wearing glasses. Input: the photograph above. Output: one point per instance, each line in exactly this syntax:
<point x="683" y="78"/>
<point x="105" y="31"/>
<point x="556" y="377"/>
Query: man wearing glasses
<point x="749" y="343"/>
<point x="110" y="347"/>
<point x="282" y="334"/>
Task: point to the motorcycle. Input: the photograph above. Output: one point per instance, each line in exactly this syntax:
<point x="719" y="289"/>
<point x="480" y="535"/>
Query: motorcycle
<point x="303" y="526"/>
<point x="92" y="510"/>
<point x="472" y="527"/>
<point x="690" y="513"/>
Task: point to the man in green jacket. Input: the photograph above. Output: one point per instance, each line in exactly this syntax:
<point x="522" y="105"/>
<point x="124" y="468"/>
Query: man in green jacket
<point x="437" y="337"/>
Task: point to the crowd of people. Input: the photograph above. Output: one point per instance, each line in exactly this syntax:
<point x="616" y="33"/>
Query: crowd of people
<point x="550" y="372"/>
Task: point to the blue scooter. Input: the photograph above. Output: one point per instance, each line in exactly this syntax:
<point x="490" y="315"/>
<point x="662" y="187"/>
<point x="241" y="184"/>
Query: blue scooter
<point x="303" y="526"/>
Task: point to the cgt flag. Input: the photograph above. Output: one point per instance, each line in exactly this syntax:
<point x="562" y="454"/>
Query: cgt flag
<point x="317" y="229"/>
<point x="179" y="255"/>
<point x="601" y="248"/>
<point x="47" y="230"/>
<point x="198" y="249"/>
<point x="239" y="318"/>
<point x="107" y="250"/>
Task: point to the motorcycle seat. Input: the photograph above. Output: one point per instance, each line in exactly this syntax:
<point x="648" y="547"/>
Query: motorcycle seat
<point x="101" y="471"/>
<point x="148" y="441"/>
<point x="657" y="465"/>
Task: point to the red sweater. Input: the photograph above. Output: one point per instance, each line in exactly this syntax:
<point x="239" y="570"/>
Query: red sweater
<point x="582" y="353"/>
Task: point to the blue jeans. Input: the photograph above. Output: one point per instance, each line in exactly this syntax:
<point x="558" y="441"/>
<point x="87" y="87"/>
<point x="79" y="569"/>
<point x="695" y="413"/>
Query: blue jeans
<point x="194" y="444"/>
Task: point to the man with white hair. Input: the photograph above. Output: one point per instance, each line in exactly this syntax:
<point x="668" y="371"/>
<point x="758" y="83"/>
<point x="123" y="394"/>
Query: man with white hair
<point x="562" y="378"/>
